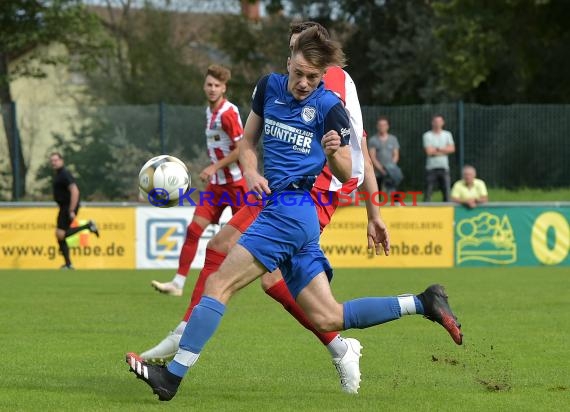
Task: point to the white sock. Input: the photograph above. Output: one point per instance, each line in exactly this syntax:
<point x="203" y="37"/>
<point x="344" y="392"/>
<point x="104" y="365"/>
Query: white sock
<point x="407" y="304"/>
<point x="179" y="281"/>
<point x="186" y="358"/>
<point x="337" y="347"/>
<point x="180" y="328"/>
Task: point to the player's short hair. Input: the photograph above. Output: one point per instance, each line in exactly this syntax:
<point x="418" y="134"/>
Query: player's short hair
<point x="318" y="50"/>
<point x="437" y="115"/>
<point x="220" y="73"/>
<point x="300" y="27"/>
<point x="380" y="118"/>
<point x="58" y="154"/>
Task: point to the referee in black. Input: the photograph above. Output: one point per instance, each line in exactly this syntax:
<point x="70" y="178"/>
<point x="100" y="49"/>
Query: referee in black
<point x="66" y="195"/>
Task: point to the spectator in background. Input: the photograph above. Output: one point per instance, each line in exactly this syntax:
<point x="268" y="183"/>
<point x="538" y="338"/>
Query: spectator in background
<point x="469" y="191"/>
<point x="385" y="153"/>
<point x="438" y="144"/>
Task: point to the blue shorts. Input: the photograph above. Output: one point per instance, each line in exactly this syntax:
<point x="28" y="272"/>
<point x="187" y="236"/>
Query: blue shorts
<point x="286" y="236"/>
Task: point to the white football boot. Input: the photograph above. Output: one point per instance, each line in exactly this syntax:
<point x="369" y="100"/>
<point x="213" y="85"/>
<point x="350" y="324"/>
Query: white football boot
<point x="167" y="288"/>
<point x="165" y="350"/>
<point x="348" y="367"/>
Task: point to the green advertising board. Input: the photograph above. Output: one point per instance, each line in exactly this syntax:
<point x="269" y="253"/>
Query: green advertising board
<point x="515" y="236"/>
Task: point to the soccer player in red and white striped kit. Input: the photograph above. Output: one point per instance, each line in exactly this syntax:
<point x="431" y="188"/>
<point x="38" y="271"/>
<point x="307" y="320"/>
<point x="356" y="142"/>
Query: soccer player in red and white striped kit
<point x="224" y="175"/>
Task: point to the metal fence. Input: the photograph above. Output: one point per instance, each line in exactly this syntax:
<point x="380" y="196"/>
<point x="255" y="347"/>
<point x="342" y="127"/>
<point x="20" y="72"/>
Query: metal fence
<point x="511" y="146"/>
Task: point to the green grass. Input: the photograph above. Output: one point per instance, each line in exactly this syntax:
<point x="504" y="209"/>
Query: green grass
<point x="64" y="336"/>
<point x="522" y="195"/>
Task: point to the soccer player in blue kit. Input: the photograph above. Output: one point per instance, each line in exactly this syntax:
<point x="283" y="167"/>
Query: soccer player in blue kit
<point x="303" y="126"/>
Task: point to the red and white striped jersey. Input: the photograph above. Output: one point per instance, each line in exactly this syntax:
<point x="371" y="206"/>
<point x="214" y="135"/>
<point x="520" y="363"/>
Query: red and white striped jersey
<point x="340" y="82"/>
<point x="223" y="130"/>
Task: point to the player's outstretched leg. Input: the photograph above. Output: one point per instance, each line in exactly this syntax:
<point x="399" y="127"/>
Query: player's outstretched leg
<point x="326" y="314"/>
<point x="162" y="383"/>
<point x="345" y="352"/>
<point x="216" y="252"/>
<point x="238" y="270"/>
<point x="166" y="348"/>
<point x="176" y="286"/>
<point x="432" y="304"/>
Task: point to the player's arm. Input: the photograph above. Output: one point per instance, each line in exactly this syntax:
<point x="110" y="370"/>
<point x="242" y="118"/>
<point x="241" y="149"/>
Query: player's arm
<point x="210" y="170"/>
<point x="251" y="134"/>
<point x="338" y="157"/>
<point x="231" y="124"/>
<point x="376" y="232"/>
<point x="335" y="142"/>
<point x="232" y="157"/>
<point x="74" y="198"/>
<point x="248" y="155"/>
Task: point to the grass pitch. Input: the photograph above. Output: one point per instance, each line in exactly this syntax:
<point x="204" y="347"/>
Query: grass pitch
<point x="64" y="335"/>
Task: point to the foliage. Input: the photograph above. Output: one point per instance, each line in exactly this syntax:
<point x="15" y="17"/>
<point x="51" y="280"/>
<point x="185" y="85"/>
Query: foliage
<point x="148" y="60"/>
<point x="254" y="49"/>
<point x="96" y="155"/>
<point x="505" y="51"/>
<point x="25" y="25"/>
<point x="418" y="51"/>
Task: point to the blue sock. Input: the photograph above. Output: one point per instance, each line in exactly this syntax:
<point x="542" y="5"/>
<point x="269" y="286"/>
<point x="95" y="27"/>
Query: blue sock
<point x="365" y="312"/>
<point x="177" y="369"/>
<point x="202" y="324"/>
<point x="419" y="306"/>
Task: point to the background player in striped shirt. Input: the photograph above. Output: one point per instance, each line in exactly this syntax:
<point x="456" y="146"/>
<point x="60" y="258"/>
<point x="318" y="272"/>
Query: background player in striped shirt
<point x="224" y="175"/>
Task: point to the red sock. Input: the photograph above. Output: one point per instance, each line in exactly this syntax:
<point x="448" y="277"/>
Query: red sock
<point x="189" y="248"/>
<point x="213" y="261"/>
<point x="281" y="294"/>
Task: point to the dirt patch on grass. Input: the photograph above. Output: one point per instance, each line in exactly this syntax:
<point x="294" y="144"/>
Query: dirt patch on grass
<point x="559" y="389"/>
<point x="449" y="361"/>
<point x="492" y="386"/>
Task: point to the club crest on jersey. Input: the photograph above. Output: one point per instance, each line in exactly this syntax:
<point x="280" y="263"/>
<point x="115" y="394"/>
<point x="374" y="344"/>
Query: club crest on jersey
<point x="308" y="114"/>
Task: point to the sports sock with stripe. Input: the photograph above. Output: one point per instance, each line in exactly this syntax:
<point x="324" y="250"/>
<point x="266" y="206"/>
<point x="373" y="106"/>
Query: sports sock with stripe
<point x="202" y="324"/>
<point x="365" y="312"/>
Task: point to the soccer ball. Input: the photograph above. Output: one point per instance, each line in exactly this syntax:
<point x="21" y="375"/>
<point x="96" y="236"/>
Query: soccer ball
<point x="163" y="179"/>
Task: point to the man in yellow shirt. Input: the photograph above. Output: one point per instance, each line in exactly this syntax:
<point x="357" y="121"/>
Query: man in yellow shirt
<point x="469" y="191"/>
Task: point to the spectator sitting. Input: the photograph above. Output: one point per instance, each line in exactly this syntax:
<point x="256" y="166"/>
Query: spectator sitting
<point x="469" y="191"/>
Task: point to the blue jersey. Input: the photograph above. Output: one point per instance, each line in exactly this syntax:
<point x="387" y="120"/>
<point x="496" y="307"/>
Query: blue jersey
<point x="292" y="130"/>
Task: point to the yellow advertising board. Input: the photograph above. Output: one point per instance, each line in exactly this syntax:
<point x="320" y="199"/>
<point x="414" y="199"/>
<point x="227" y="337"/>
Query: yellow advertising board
<point x="419" y="237"/>
<point x="27" y="239"/>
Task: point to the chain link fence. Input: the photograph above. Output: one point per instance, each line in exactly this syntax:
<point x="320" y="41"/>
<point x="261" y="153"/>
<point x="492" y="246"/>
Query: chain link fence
<point x="511" y="146"/>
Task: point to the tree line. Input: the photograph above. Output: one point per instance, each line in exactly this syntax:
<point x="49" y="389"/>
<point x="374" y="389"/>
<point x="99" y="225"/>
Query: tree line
<point x="400" y="52"/>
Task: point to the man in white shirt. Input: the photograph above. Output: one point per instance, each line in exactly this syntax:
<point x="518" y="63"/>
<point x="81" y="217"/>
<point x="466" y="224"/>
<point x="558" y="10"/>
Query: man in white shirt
<point x="438" y="144"/>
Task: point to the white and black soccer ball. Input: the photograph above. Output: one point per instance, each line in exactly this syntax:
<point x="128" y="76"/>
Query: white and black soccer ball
<point x="163" y="179"/>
